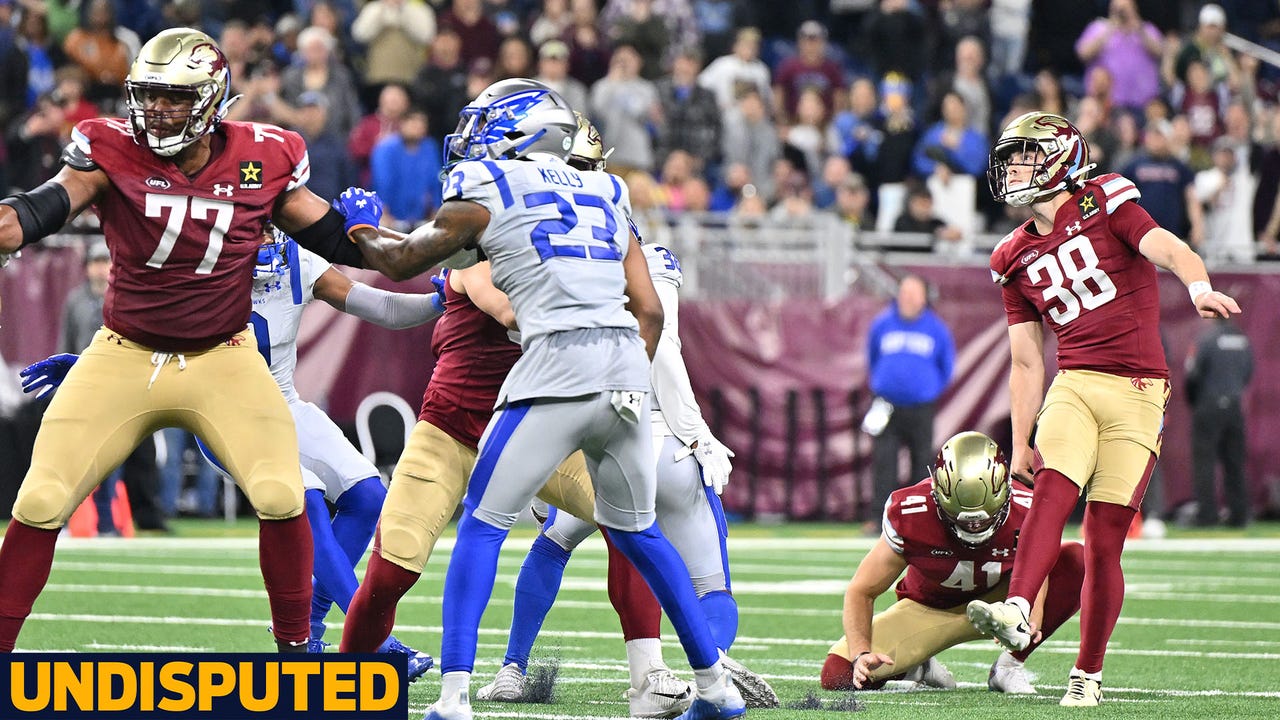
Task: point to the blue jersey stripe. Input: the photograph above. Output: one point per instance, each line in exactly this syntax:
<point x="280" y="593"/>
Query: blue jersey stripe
<point x="617" y="189"/>
<point x="500" y="179"/>
<point x="505" y="423"/>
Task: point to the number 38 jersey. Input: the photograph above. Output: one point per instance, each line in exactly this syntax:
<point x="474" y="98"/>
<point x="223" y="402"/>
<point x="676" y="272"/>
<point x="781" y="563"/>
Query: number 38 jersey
<point x="183" y="248"/>
<point x="1088" y="281"/>
<point x="943" y="572"/>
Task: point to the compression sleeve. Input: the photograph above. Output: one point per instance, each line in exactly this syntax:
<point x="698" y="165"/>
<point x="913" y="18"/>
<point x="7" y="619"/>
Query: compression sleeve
<point x="670" y="377"/>
<point x="390" y="309"/>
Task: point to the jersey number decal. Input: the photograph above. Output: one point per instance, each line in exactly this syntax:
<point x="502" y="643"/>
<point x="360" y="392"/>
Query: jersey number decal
<point x="965" y="580"/>
<point x="1063" y="267"/>
<point x="177" y="207"/>
<point x="600" y="247"/>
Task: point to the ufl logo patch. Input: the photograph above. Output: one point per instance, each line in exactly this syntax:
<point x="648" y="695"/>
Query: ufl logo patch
<point x="1088" y="205"/>
<point x="251" y="174"/>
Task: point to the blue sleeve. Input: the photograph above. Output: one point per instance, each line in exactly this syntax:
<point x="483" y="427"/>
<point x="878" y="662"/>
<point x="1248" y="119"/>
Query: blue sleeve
<point x="922" y="164"/>
<point x="873" y="345"/>
<point x="946" y="352"/>
<point x="381" y="172"/>
<point x="972" y="153"/>
<point x="431" y="167"/>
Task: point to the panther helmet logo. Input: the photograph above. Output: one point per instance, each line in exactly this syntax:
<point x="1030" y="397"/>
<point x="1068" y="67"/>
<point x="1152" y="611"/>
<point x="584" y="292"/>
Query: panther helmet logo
<point x="207" y="57"/>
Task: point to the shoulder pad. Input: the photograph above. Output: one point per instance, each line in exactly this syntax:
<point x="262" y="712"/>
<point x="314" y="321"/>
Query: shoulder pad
<point x="663" y="264"/>
<point x="78" y="154"/>
<point x="1115" y="189"/>
<point x="480" y="181"/>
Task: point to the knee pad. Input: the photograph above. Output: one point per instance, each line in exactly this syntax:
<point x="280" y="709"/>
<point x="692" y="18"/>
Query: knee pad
<point x="276" y="499"/>
<point x="405" y="541"/>
<point x="45" y="506"/>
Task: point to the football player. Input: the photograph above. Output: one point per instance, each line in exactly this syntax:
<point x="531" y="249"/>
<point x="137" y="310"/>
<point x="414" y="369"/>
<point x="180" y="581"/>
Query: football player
<point x="183" y="198"/>
<point x="693" y="468"/>
<point x="1085" y="264"/>
<point x="955" y="534"/>
<point x="590" y="319"/>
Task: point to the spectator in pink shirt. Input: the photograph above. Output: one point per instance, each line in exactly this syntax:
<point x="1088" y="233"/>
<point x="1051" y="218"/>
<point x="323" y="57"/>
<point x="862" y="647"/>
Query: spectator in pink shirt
<point x="1127" y="47"/>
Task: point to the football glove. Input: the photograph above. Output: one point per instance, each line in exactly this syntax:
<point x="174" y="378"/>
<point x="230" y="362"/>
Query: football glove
<point x="361" y="208"/>
<point x="437" y="298"/>
<point x="713" y="457"/>
<point x="44" y="376"/>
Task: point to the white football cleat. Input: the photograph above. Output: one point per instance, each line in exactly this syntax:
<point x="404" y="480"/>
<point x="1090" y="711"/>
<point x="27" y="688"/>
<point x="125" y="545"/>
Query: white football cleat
<point x="755" y="690"/>
<point x="663" y="695"/>
<point x="1009" y="676"/>
<point x="1002" y="621"/>
<point x="1081" y="691"/>
<point x="721" y="701"/>
<point x="507" y="686"/>
<point x="457" y="707"/>
<point x="932" y="673"/>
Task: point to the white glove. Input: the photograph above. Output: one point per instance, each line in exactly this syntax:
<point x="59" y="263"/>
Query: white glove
<point x="713" y="456"/>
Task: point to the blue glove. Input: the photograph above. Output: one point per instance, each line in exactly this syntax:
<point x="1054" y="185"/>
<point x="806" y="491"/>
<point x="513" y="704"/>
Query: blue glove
<point x="361" y="208"/>
<point x="44" y="376"/>
<point x="437" y="298"/>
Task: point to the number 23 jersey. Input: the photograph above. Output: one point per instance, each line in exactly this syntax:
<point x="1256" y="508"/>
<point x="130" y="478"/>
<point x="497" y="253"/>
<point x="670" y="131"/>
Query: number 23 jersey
<point x="943" y="572"/>
<point x="1088" y="280"/>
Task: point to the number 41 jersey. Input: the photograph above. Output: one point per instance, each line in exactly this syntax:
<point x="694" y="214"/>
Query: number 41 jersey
<point x="1088" y="281"/>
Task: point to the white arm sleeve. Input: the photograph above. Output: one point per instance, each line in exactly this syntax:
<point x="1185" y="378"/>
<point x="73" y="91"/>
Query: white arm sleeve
<point x="390" y="309"/>
<point x="670" y="377"/>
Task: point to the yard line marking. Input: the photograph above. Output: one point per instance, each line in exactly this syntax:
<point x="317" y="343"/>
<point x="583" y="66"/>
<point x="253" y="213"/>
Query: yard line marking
<point x="1229" y="643"/>
<point x="146" y="648"/>
<point x="1142" y="653"/>
<point x="116" y="567"/>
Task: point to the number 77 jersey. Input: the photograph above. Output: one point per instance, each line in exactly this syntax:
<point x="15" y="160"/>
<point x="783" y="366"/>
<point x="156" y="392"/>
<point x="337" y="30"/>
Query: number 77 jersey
<point x="1088" y="280"/>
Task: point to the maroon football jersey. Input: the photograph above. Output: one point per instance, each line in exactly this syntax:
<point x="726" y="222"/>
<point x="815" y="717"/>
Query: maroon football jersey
<point x="943" y="572"/>
<point x="183" y="248"/>
<point x="1088" y="281"/>
<point x="473" y="357"/>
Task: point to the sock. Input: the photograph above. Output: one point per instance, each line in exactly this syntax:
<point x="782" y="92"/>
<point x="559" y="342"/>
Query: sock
<point x="1094" y="676"/>
<point x="1063" y="599"/>
<point x="334" y="577"/>
<point x="660" y="565"/>
<point x="1105" y="528"/>
<point x="1041" y="536"/>
<point x="638" y="610"/>
<point x="708" y="681"/>
<point x="468" y="585"/>
<point x="25" y="559"/>
<point x="285" y="554"/>
<point x="373" y="608"/>
<point x="536" y="590"/>
<point x="721" y="610"/>
<point x="837" y="673"/>
<point x="455" y="682"/>
<point x="643" y="654"/>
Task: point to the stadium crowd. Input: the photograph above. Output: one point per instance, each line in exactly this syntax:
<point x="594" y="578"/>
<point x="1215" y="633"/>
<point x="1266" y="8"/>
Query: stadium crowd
<point x="879" y="110"/>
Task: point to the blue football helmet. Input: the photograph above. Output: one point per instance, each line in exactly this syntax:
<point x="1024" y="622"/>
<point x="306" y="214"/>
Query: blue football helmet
<point x="511" y="119"/>
<point x="277" y="258"/>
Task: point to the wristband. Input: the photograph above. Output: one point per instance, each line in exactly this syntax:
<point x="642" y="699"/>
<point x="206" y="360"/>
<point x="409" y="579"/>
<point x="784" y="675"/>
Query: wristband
<point x="1198" y="288"/>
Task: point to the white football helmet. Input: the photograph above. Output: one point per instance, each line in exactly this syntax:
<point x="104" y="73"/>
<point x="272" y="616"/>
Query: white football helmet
<point x="511" y="119"/>
<point x="181" y="62"/>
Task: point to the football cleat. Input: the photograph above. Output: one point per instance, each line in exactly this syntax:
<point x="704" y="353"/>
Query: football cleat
<point x="755" y="690"/>
<point x="1002" y="621"/>
<point x="457" y="707"/>
<point x="419" y="662"/>
<point x="1009" y="676"/>
<point x="663" y="695"/>
<point x="507" y="686"/>
<point x="1081" y="691"/>
<point x="932" y="673"/>
<point x="729" y="705"/>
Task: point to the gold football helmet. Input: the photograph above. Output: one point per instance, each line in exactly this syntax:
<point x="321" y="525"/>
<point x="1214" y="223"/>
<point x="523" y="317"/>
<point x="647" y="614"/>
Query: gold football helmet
<point x="173" y="66"/>
<point x="971" y="487"/>
<point x="1051" y="147"/>
<point x="588" y="151"/>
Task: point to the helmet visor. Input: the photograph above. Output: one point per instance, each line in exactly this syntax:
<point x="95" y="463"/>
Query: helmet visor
<point x="1016" y="164"/>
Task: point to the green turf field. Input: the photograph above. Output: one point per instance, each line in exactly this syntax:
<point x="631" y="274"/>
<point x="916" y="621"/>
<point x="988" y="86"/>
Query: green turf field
<point x="1199" y="636"/>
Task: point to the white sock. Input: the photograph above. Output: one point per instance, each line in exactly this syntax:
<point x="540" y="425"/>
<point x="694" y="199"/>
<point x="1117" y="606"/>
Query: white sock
<point x="710" y="686"/>
<point x="1007" y="658"/>
<point x="643" y="654"/>
<point x="452" y="684"/>
<point x="1022" y="605"/>
<point x="1094" y="676"/>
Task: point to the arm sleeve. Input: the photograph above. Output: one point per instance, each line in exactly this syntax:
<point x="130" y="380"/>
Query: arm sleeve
<point x="390" y="309"/>
<point x="670" y="377"/>
<point x="946" y="353"/>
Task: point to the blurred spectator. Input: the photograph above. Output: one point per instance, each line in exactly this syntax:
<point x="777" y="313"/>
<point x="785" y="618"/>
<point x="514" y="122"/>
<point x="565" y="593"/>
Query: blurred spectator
<point x="750" y="139"/>
<point x="677" y="15"/>
<point x="63" y="17"/>
<point x="234" y="42"/>
<point x="854" y="132"/>
<point x="736" y="182"/>
<point x="893" y="157"/>
<point x="396" y="33"/>
<point x="405" y="169"/>
<point x="919" y="217"/>
<point x="683" y="188"/>
<point x="35" y="143"/>
<point x="200" y="500"/>
<point x="479" y="36"/>
<point x="645" y="31"/>
<point x="1227" y="189"/>
<point x="1099" y="83"/>
<point x="835" y="170"/>
<point x="1128" y="139"/>
<point x="552" y="23"/>
<point x="969" y="81"/>
<point x="808" y="68"/>
<point x="13" y="84"/>
<point x="808" y="134"/>
<point x="1218" y="371"/>
<point x="728" y="76"/>
<point x="285" y="43"/>
<point x="894" y="39"/>
<point x="1010" y="23"/>
<point x="259" y="95"/>
<point x="1049" y="96"/>
<point x="1206" y="46"/>
<point x="718" y="20"/>
<point x="1129" y="48"/>
<point x="515" y="59"/>
<point x="441" y="84"/>
<point x="588" y="51"/>
<point x="853" y="203"/>
<point x="335" y="18"/>
<point x="1266" y="202"/>
<point x="1091" y="121"/>
<point x="143" y="18"/>
<point x="952" y="141"/>
<point x="625" y="107"/>
<point x="43" y="55"/>
<point x="479" y="76"/>
<point x="1202" y="103"/>
<point x="320" y="72"/>
<point x="1052" y="35"/>
<point x="795" y="199"/>
<point x="958" y="19"/>
<point x="553" y="70"/>
<point x="331" y="168"/>
<point x="102" y="48"/>
<point x="1167" y="185"/>
<point x="384" y="121"/>
<point x="690" y="117"/>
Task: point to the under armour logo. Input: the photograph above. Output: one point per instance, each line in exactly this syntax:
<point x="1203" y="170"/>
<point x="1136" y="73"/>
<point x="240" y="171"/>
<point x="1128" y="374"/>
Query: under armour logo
<point x="361" y="203"/>
<point x="1073" y="228"/>
<point x="1000" y="552"/>
<point x="634" y="398"/>
<point x="220" y="189"/>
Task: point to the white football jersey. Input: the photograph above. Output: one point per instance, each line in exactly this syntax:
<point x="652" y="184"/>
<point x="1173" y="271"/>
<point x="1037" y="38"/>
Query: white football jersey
<point x="278" y="301"/>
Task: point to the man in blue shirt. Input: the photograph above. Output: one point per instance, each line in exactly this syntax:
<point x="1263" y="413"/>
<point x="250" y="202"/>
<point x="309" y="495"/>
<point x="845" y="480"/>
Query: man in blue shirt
<point x="910" y="356"/>
<point x="405" y="169"/>
<point x="1167" y="185"/>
